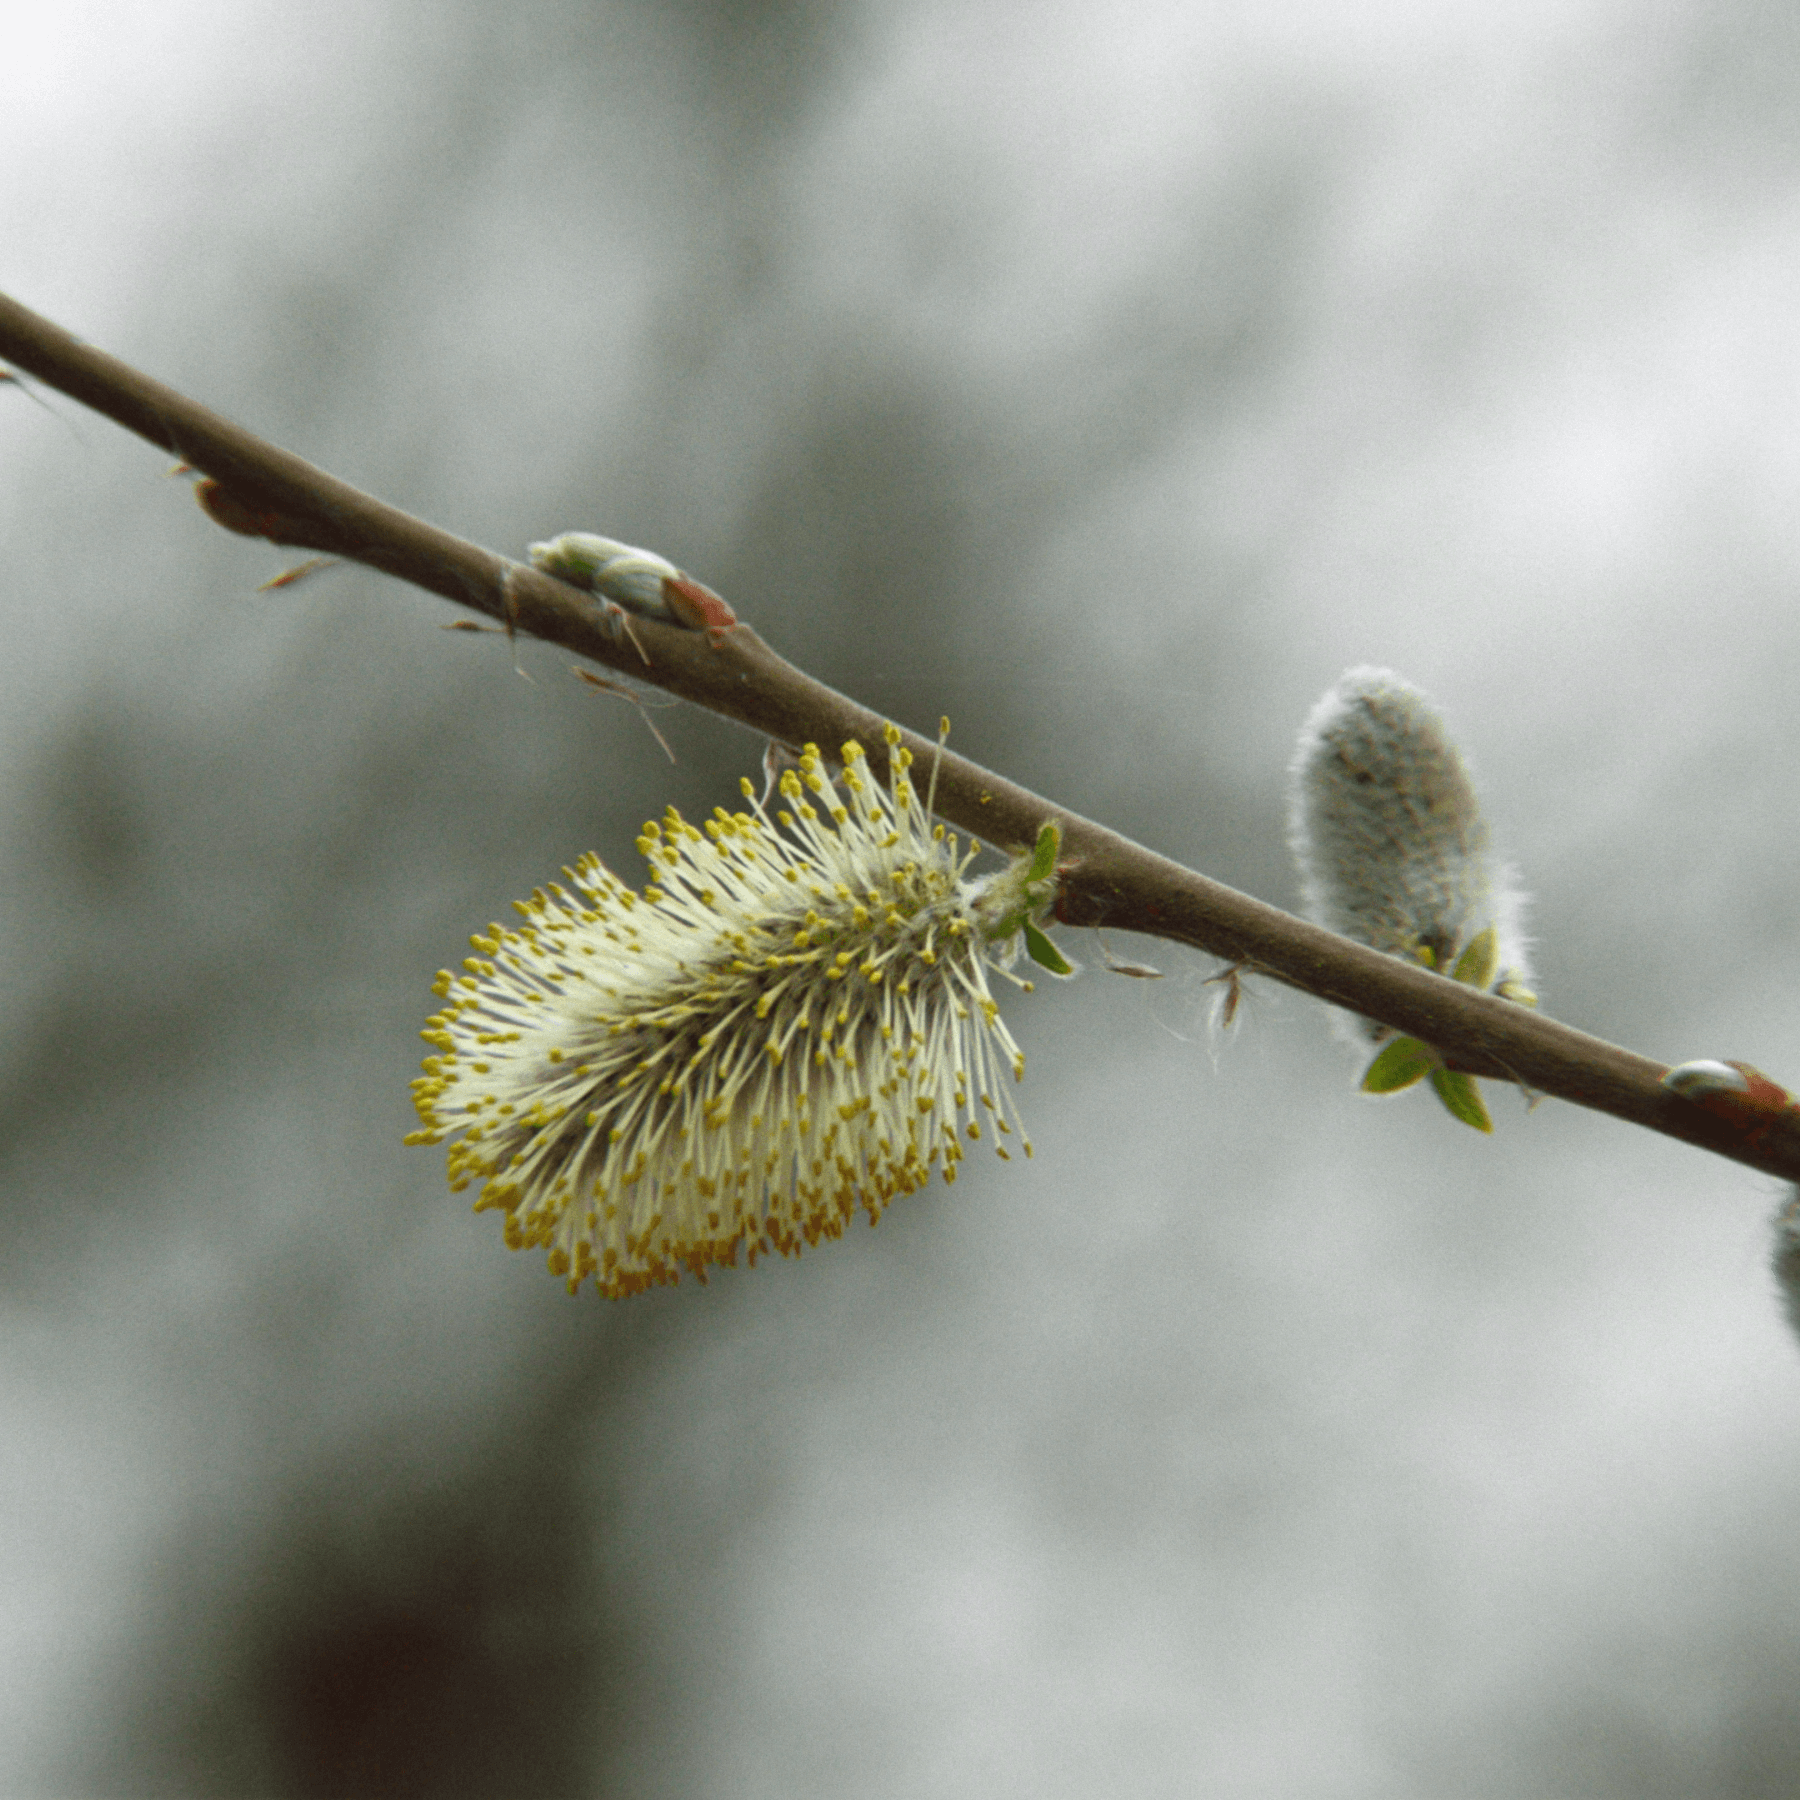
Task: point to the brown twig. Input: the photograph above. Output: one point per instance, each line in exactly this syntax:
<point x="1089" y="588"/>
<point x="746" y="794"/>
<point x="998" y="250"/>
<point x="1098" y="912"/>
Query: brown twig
<point x="1110" y="881"/>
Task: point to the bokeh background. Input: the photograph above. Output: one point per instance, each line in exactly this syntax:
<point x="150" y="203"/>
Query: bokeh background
<point x="1108" y="378"/>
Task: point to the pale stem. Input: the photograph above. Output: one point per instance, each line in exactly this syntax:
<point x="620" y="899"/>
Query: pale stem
<point x="1108" y="880"/>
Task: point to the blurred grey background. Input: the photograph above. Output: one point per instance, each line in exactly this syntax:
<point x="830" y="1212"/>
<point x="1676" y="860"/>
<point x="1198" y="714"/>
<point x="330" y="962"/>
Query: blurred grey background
<point x="1110" y="379"/>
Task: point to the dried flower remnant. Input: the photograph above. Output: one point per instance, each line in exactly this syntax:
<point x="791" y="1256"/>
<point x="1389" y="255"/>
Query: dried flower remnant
<point x="1394" y="852"/>
<point x="790" y="1024"/>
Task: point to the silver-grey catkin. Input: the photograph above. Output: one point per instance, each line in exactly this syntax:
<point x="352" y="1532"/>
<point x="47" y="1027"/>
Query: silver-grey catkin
<point x="1391" y="843"/>
<point x="1785" y="1260"/>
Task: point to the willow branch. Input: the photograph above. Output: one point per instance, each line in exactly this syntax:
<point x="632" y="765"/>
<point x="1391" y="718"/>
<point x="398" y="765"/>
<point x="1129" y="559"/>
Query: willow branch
<point x="1110" y="881"/>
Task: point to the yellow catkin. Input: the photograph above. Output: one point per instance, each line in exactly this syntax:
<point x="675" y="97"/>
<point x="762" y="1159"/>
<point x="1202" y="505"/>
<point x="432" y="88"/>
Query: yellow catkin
<point x="783" y="1031"/>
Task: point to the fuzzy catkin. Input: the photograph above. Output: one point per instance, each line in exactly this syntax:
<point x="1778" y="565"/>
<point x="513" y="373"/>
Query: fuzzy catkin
<point x="1785" y="1261"/>
<point x="1389" y="837"/>
<point x="791" y="1023"/>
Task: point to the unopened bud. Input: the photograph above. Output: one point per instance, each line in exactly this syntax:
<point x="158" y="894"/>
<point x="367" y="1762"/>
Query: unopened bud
<point x="637" y="581"/>
<point x="622" y="573"/>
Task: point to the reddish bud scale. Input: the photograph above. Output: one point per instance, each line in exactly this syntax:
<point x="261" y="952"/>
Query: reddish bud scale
<point x="225" y="508"/>
<point x="1751" y="1109"/>
<point x="696" y="606"/>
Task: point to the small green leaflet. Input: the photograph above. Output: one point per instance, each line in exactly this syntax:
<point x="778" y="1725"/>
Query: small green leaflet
<point x="1036" y="893"/>
<point x="1477" y="966"/>
<point x="1407" y="1060"/>
<point x="1461" y="1098"/>
<point x="1399" y="1065"/>
<point x="1044" y="953"/>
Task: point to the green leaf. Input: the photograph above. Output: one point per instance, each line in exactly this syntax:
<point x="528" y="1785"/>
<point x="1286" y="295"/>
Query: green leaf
<point x="1043" y="856"/>
<point x="1480" y="960"/>
<point x="1462" y="1098"/>
<point x="1044" y="953"/>
<point x="1399" y="1065"/>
